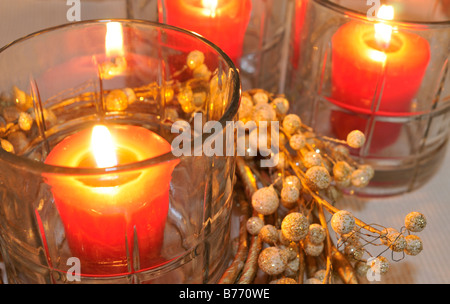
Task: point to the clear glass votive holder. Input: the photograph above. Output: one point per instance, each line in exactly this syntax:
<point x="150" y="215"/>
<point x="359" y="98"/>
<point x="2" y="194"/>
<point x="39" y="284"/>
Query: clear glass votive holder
<point x="153" y="216"/>
<point x="358" y="68"/>
<point x="254" y="33"/>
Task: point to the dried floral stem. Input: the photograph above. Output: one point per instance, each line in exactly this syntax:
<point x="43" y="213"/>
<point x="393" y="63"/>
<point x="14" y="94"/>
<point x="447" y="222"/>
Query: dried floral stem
<point x="343" y="267"/>
<point x="251" y="265"/>
<point x="247" y="177"/>
<point x="301" y="267"/>
<point x="323" y="222"/>
<point x="330" y="208"/>
<point x="334" y="140"/>
<point x="238" y="263"/>
<point x="311" y="266"/>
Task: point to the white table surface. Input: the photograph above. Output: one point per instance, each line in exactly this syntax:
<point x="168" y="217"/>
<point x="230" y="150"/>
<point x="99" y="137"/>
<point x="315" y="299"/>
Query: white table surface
<point x="432" y="265"/>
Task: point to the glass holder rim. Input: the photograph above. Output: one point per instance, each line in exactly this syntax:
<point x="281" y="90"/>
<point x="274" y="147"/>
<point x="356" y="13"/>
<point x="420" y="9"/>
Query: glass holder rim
<point x="354" y="14"/>
<point x="229" y="113"/>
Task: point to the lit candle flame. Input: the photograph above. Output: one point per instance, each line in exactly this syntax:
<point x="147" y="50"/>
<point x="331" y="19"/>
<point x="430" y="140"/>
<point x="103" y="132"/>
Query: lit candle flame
<point x="383" y="32"/>
<point x="102" y="145"/>
<point x="210" y="7"/>
<point x="114" y="40"/>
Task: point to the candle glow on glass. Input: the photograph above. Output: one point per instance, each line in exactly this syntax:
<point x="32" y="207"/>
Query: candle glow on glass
<point x="114" y="39"/>
<point x="116" y="63"/>
<point x="223" y="22"/>
<point x="376" y="70"/>
<point x="106" y="213"/>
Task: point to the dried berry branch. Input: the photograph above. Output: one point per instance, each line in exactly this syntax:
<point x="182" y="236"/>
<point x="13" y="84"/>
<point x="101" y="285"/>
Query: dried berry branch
<point x="287" y="231"/>
<point x="311" y="170"/>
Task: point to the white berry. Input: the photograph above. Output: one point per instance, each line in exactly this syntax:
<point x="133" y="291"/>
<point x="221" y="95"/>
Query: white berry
<point x="272" y="261"/>
<point x="195" y="59"/>
<point x="318" y="178"/>
<point x="292" y="123"/>
<point x="269" y="234"/>
<point x="356" y="139"/>
<point x="292" y="180"/>
<point x="254" y="225"/>
<point x="414" y="245"/>
<point x="312" y="249"/>
<point x="415" y="222"/>
<point x="342" y="222"/>
<point x="316" y="233"/>
<point x="295" y="226"/>
<point x="281" y="105"/>
<point x="265" y="200"/>
<point x="311" y="159"/>
<point x="260" y="97"/>
<point x="393" y="239"/>
<point x="289" y="196"/>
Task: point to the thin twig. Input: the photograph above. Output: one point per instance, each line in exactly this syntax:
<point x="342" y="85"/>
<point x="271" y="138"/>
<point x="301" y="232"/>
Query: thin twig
<point x="323" y="222"/>
<point x="330" y="208"/>
<point x="232" y="272"/>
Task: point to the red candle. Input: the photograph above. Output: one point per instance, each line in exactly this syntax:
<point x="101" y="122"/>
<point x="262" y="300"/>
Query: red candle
<point x="375" y="65"/>
<point x="299" y="21"/>
<point x="223" y="22"/>
<point x="103" y="214"/>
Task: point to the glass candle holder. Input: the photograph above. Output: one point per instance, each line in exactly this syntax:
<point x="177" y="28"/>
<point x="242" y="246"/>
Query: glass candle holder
<point x="358" y="67"/>
<point x="265" y="57"/>
<point x="254" y="33"/>
<point x="222" y="22"/>
<point x="71" y="214"/>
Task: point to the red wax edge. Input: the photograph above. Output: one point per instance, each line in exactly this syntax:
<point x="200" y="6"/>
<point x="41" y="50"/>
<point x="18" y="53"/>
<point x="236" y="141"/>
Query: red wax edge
<point x="355" y="76"/>
<point x="226" y="28"/>
<point x="99" y="221"/>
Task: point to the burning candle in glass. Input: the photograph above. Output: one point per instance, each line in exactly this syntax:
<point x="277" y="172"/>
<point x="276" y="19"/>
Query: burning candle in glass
<point x="115" y="63"/>
<point x="223" y="22"/>
<point x="110" y="216"/>
<point x="105" y="214"/>
<point x="376" y="70"/>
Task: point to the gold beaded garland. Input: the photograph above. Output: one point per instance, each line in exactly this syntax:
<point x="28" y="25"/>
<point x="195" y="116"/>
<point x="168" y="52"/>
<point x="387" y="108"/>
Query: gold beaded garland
<point x="7" y="146"/>
<point x="195" y="59"/>
<point x="116" y="100"/>
<point x="25" y="121"/>
<point x="396" y="241"/>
